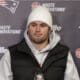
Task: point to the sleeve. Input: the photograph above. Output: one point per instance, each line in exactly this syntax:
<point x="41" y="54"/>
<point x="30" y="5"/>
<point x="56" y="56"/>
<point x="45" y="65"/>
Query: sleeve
<point x="5" y="66"/>
<point x="71" y="72"/>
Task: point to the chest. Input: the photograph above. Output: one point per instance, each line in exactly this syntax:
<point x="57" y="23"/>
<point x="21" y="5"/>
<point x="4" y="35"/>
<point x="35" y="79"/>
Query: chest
<point x="24" y="67"/>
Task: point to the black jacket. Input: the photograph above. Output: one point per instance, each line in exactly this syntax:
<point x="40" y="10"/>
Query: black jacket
<point x="25" y="66"/>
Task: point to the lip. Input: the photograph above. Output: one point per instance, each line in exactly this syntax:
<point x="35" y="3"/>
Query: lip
<point x="38" y="35"/>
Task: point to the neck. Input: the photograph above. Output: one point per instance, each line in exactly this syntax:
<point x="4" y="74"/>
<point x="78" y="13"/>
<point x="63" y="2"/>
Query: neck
<point x="40" y="46"/>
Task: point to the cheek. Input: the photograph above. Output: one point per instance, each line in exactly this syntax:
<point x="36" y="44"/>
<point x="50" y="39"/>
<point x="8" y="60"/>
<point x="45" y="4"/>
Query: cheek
<point x="46" y="31"/>
<point x="31" y="30"/>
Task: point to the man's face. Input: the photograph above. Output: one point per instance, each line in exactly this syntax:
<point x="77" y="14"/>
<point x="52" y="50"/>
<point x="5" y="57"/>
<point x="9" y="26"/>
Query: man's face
<point x="38" y="32"/>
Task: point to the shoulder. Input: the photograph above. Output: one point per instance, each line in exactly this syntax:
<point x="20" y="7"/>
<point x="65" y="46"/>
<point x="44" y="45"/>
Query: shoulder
<point x="60" y="50"/>
<point x="14" y="47"/>
<point x="21" y="47"/>
<point x="62" y="47"/>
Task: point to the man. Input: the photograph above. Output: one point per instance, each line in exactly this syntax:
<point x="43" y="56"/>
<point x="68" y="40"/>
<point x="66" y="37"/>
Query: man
<point x="39" y="56"/>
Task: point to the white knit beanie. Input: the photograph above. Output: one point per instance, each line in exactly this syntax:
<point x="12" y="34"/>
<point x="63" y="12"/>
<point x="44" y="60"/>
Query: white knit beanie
<point x="40" y="14"/>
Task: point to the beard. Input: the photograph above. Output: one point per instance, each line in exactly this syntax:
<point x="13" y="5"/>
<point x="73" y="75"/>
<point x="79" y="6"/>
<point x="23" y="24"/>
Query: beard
<point x="38" y="39"/>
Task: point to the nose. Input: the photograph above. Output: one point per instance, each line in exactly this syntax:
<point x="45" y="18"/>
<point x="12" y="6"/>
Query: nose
<point x="38" y="28"/>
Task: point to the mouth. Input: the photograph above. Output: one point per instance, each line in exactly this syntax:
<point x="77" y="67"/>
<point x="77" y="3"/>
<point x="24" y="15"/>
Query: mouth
<point x="38" y="35"/>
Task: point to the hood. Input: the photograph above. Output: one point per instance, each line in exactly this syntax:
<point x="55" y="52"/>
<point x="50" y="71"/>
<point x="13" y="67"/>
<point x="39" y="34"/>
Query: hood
<point x="54" y="39"/>
<point x="42" y="14"/>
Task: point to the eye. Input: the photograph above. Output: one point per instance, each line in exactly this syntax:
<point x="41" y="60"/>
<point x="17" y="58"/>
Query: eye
<point x="33" y="24"/>
<point x="44" y="25"/>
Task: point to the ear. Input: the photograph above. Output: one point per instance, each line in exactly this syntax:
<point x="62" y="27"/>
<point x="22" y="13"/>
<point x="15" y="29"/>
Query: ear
<point x="50" y="30"/>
